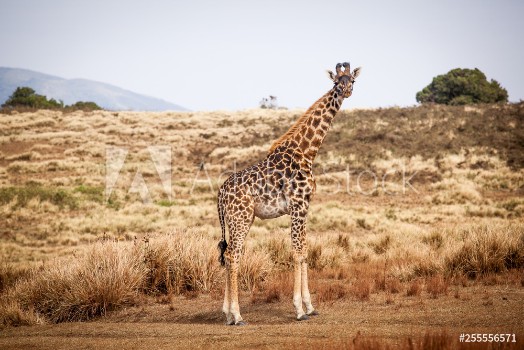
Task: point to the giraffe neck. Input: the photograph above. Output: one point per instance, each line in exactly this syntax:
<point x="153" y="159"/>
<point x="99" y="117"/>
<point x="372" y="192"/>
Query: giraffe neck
<point x="312" y="131"/>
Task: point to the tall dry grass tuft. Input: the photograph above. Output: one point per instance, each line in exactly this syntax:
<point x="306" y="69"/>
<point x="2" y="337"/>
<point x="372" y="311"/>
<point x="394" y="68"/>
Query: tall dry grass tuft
<point x="393" y="285"/>
<point x="187" y="261"/>
<point x="13" y="314"/>
<point x="314" y="256"/>
<point x="107" y="276"/>
<point x="381" y="246"/>
<point x="361" y="289"/>
<point x="453" y="190"/>
<point x="255" y="269"/>
<point x="435" y="240"/>
<point x="470" y="250"/>
<point x="436" y="341"/>
<point x="276" y="288"/>
<point x="414" y="288"/>
<point x="110" y="274"/>
<point x="437" y="285"/>
<point x="279" y="250"/>
<point x="10" y="274"/>
<point x="487" y="249"/>
<point x="334" y="290"/>
<point x="181" y="262"/>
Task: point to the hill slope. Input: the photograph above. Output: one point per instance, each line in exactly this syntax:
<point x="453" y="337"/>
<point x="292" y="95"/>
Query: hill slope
<point x="416" y="226"/>
<point x="74" y="90"/>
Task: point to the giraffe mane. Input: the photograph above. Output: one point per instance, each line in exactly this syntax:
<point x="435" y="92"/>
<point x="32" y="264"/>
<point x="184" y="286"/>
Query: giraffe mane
<point x="300" y="121"/>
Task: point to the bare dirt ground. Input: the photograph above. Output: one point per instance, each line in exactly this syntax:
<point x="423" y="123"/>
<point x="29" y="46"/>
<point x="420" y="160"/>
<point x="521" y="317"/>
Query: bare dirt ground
<point x="198" y="323"/>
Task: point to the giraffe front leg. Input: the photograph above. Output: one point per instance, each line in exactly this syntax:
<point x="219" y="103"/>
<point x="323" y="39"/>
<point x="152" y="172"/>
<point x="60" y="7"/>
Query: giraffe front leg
<point x="306" y="296"/>
<point x="297" y="288"/>
<point x="299" y="244"/>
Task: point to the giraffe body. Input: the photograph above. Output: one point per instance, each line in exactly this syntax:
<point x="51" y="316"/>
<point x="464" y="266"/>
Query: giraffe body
<point x="281" y="184"/>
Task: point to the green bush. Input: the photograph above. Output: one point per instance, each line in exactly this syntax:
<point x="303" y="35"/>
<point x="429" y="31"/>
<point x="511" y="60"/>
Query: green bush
<point x="84" y="106"/>
<point x="461" y="87"/>
<point x="26" y="97"/>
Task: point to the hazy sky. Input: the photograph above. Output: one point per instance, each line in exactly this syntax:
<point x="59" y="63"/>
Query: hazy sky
<point x="229" y="54"/>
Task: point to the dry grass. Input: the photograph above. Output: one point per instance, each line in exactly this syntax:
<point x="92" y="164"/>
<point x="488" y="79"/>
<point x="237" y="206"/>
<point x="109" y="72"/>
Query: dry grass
<point x="414" y="288"/>
<point x="255" y="269"/>
<point x="437" y="285"/>
<point x="451" y="191"/>
<point x="14" y="314"/>
<point x="487" y="249"/>
<point x="276" y="288"/>
<point x="68" y="151"/>
<point x="9" y="276"/>
<point x="361" y="289"/>
<point x="334" y="290"/>
<point x="104" y="278"/>
<point x="111" y="274"/>
<point x="181" y="263"/>
<point x="463" y="222"/>
<point x="187" y="261"/>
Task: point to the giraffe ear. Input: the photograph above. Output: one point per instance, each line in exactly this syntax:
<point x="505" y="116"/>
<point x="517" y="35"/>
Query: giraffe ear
<point x="356" y="72"/>
<point x="331" y="75"/>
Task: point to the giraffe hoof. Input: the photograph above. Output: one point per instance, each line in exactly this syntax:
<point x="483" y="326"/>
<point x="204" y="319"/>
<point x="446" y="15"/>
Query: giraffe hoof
<point x="313" y="313"/>
<point x="303" y="318"/>
<point x="241" y="323"/>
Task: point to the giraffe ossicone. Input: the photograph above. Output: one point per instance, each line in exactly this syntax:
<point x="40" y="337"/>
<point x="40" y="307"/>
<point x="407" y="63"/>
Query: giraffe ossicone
<point x="281" y="184"/>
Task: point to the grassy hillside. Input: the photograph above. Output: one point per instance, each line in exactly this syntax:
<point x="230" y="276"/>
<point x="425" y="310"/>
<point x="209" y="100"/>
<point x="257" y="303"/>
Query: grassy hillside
<point x="432" y="132"/>
<point x="409" y="201"/>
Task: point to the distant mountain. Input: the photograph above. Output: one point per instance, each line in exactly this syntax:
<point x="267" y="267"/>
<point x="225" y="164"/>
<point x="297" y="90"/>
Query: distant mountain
<point x="73" y="90"/>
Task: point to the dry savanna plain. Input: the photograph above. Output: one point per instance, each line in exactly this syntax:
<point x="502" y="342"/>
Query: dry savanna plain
<point x="109" y="231"/>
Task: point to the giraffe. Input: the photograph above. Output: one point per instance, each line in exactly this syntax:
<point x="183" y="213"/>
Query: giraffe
<point x="282" y="183"/>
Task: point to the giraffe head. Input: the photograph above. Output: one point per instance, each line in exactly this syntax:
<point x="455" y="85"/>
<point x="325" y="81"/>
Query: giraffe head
<point x="344" y="79"/>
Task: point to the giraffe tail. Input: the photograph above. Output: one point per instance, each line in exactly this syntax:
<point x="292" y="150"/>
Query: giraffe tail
<point x="222" y="245"/>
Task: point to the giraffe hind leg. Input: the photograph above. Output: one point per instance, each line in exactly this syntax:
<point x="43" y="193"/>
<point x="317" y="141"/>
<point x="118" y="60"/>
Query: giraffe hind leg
<point x="227" y="300"/>
<point x="231" y="307"/>
<point x="232" y="257"/>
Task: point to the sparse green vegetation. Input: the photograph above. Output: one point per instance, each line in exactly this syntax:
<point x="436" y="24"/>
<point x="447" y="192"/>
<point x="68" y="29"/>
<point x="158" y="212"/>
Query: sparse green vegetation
<point x="92" y="193"/>
<point x="84" y="106"/>
<point x="166" y="203"/>
<point x="23" y="195"/>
